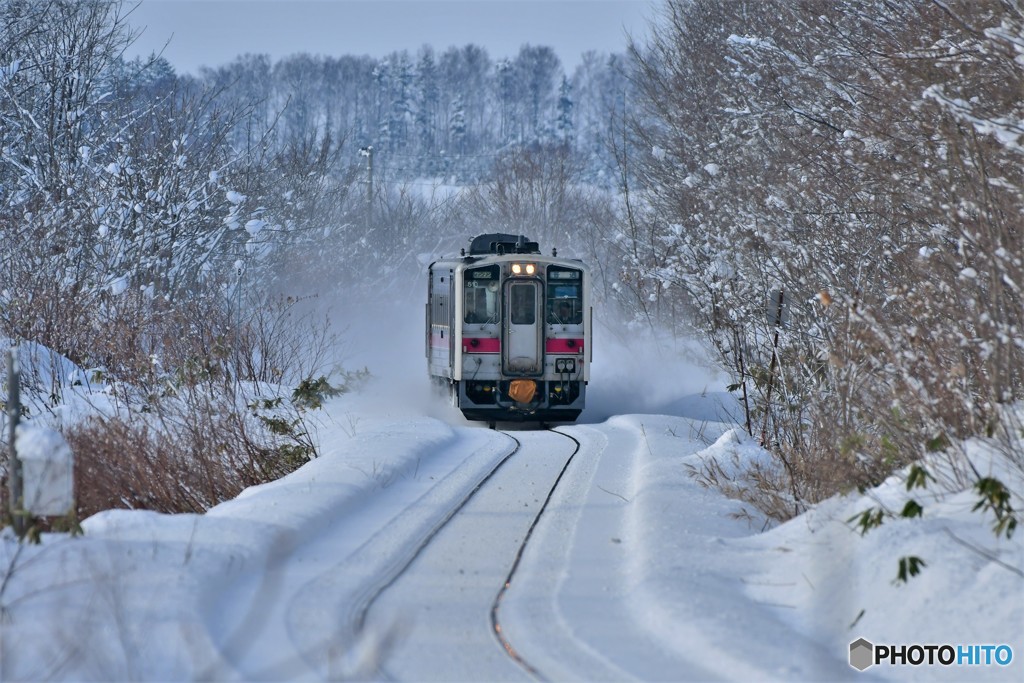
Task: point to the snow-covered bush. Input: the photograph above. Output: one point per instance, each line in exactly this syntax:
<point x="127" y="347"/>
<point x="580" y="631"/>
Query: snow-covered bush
<point x="137" y="236"/>
<point x="863" y="158"/>
<point x="197" y="448"/>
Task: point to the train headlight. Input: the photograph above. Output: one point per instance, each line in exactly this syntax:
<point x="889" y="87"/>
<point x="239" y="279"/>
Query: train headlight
<point x="521" y="268"/>
<point x="530" y="269"/>
<point x="565" y="365"/>
<point x="516" y="269"/>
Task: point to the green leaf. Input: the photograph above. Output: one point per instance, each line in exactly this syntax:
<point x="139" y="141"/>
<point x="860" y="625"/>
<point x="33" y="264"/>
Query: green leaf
<point x="868" y="519"/>
<point x="278" y="425"/>
<point x="311" y="393"/>
<point x="912" y="509"/>
<point x="910" y="566"/>
<point x="918" y="477"/>
<point x="996" y="497"/>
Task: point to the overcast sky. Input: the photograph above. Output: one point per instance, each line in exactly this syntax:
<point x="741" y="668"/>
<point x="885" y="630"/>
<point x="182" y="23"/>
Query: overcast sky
<point x="214" y="32"/>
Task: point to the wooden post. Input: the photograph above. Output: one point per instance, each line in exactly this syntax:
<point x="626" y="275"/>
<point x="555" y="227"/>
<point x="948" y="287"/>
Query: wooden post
<point x="743" y="380"/>
<point x="771" y="369"/>
<point x="13" y="415"/>
<point x="369" y="176"/>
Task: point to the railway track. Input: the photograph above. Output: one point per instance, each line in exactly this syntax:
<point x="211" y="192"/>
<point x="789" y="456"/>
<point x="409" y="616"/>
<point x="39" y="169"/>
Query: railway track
<point x="370" y="597"/>
<point x="499" y="632"/>
<point x="500" y="581"/>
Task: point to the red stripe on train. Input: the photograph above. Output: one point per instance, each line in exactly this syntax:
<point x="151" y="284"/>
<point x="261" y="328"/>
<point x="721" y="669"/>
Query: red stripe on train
<point x="564" y="346"/>
<point x="481" y="345"/>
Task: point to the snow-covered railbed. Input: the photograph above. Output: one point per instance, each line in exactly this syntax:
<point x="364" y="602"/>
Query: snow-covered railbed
<point x="324" y="584"/>
<point x="634" y="571"/>
<point x="255" y="588"/>
<point x="440" y="608"/>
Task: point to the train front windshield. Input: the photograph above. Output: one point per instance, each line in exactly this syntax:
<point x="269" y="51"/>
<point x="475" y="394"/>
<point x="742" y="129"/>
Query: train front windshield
<point x="482" y="295"/>
<point x="564" y="296"/>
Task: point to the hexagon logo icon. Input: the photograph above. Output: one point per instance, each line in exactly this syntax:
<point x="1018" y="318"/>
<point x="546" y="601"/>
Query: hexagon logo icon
<point x="862" y="654"/>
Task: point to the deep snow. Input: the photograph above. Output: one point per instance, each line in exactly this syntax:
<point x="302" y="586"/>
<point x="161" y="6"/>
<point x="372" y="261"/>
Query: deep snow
<point x="634" y="572"/>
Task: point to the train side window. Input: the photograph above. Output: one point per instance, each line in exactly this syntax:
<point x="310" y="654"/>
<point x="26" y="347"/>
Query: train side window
<point x="481" y="297"/>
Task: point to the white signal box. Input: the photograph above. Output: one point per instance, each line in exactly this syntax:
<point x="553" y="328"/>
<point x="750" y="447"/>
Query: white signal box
<point x="47" y="470"/>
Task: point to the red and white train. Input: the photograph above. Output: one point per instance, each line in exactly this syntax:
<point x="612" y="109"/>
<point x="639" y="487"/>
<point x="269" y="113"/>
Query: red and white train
<point x="508" y="331"/>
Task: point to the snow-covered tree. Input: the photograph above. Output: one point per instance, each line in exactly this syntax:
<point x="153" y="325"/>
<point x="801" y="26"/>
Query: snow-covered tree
<point x="837" y="153"/>
<point x="564" y="128"/>
<point x="457" y="129"/>
<point x="537" y="68"/>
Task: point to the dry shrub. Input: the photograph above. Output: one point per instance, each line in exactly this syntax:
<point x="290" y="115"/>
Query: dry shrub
<point x="201" y="410"/>
<point x="761" y="484"/>
<point x="120" y="465"/>
<point x="282" y="339"/>
<point x="187" y="460"/>
<point x="886" y="207"/>
<point x="43" y="297"/>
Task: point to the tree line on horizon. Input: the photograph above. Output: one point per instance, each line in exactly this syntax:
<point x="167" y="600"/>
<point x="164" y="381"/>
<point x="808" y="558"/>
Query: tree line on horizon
<point x="430" y="114"/>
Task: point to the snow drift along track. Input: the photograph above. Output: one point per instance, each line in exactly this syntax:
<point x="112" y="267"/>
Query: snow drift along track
<point x="295" y="617"/>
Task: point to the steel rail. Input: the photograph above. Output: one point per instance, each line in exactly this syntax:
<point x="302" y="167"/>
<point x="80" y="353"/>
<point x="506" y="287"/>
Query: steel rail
<point x="496" y="627"/>
<point x="398" y="569"/>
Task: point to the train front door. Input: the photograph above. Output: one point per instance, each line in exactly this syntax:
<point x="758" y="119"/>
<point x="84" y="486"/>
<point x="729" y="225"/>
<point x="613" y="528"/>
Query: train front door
<point x="522" y="351"/>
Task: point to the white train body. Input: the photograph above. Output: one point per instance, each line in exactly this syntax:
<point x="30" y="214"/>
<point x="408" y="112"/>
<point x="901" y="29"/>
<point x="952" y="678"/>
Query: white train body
<point x="508" y="331"/>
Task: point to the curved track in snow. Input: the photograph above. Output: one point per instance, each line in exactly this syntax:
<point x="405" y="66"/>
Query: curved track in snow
<point x="402" y="564"/>
<point x="475" y="555"/>
<point x="499" y="631"/>
<point x="314" y="589"/>
<point x="505" y="558"/>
